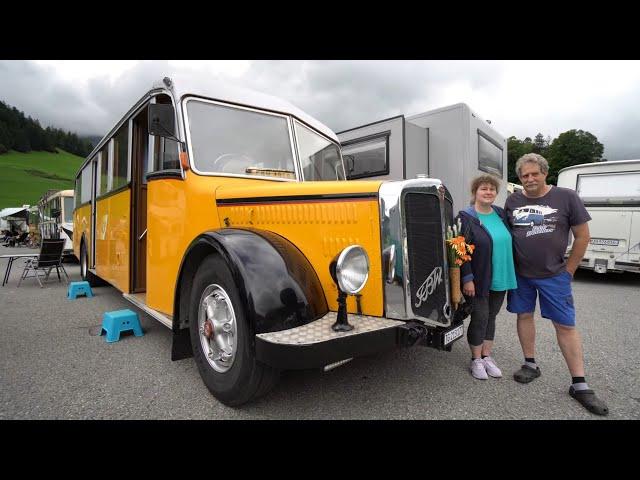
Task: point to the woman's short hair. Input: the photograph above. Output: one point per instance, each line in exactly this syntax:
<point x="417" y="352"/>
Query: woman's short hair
<point x="476" y="182"/>
<point x="532" y="158"/>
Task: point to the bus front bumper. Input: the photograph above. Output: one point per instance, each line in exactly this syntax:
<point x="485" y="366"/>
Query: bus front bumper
<point x="316" y="345"/>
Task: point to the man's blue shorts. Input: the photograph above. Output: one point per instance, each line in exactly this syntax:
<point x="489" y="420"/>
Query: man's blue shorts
<point x="556" y="298"/>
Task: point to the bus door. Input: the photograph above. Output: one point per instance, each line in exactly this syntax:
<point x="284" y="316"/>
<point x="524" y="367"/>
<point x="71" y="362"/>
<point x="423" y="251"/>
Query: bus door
<point x="139" y="168"/>
<point x="94" y="180"/>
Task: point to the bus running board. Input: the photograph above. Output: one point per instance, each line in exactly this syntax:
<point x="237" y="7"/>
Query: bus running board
<point x="138" y="299"/>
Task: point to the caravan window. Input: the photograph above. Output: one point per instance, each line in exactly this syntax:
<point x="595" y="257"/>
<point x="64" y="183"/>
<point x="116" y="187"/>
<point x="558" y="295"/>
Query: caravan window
<point x="489" y="155"/>
<point x="623" y="187"/>
<point x="366" y="157"/>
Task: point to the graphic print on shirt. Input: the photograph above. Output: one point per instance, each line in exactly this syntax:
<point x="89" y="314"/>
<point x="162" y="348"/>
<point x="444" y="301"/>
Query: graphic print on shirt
<point x="538" y="218"/>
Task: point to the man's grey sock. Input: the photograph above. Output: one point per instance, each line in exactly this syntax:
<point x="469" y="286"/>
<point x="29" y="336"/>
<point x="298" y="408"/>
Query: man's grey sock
<point x="531" y="362"/>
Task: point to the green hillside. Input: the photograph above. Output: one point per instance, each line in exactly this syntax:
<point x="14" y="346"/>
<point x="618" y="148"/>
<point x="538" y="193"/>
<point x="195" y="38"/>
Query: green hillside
<point x="24" y="177"/>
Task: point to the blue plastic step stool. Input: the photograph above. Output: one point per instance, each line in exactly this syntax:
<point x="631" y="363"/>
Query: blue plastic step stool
<point x="79" y="288"/>
<point x="120" y="321"/>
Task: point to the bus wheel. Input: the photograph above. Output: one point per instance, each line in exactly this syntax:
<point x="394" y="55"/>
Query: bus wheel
<point x="221" y="337"/>
<point x="85" y="274"/>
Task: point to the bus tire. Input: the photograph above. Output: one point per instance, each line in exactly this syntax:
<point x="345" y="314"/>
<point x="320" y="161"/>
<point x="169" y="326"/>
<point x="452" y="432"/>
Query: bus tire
<point x="85" y="274"/>
<point x="221" y="337"/>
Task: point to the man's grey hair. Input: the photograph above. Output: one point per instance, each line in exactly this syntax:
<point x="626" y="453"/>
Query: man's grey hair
<point x="532" y="158"/>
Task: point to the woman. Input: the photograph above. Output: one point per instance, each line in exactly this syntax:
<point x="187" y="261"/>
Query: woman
<point x="489" y="274"/>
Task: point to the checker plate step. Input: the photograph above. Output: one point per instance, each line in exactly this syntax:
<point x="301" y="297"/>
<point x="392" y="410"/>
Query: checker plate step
<point x="320" y="330"/>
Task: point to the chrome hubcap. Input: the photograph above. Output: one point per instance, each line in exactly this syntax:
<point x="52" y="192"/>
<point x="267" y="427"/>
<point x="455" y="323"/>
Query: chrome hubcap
<point x="217" y="328"/>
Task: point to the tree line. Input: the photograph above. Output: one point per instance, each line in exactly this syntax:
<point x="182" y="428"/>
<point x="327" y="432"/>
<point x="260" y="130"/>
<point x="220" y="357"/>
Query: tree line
<point x="25" y="134"/>
<point x="570" y="148"/>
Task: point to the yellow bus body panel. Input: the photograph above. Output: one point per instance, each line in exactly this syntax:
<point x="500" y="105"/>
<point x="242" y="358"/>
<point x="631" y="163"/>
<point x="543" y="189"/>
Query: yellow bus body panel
<point x="113" y="239"/>
<point x="179" y="211"/>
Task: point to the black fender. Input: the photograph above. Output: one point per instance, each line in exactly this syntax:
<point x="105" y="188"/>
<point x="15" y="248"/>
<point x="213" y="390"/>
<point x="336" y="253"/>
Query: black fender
<point x="276" y="282"/>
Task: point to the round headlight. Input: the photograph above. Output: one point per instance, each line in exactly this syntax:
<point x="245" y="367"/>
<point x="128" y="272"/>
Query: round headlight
<point x="352" y="269"/>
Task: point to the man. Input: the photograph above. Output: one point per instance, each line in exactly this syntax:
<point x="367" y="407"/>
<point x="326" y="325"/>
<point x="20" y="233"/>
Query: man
<point x="540" y="218"/>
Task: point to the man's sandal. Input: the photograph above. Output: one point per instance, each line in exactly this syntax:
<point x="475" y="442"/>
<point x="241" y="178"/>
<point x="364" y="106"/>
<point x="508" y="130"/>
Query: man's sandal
<point x="588" y="400"/>
<point x="526" y="374"/>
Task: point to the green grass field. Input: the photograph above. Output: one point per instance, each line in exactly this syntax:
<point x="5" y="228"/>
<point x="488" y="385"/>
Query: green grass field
<point x="24" y="177"/>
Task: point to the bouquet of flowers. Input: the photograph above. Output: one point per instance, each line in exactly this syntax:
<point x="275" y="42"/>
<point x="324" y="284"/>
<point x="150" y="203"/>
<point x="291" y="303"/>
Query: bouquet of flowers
<point x="458" y="252"/>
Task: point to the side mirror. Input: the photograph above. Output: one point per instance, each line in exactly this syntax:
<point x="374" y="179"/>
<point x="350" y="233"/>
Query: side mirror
<point x="162" y="120"/>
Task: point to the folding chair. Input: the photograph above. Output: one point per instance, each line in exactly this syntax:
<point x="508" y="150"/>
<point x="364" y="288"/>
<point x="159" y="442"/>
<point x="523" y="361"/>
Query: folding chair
<point x="50" y="257"/>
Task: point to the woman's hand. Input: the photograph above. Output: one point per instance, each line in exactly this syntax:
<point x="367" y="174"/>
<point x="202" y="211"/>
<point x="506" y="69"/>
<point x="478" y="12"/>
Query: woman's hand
<point x="469" y="289"/>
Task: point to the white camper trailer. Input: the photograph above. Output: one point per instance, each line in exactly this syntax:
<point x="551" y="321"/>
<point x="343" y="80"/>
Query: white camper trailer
<point x="611" y="193"/>
<point x="451" y="143"/>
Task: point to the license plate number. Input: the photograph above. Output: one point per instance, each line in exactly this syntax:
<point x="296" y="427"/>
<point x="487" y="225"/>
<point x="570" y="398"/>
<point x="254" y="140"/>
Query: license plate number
<point x="452" y="335"/>
<point x="604" y="241"/>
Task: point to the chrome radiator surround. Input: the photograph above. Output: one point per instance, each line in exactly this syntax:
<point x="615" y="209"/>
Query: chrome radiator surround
<point x="398" y="303"/>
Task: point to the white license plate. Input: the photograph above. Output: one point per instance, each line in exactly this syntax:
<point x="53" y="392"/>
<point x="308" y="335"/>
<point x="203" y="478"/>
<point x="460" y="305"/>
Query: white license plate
<point x="451" y="335"/>
<point x="604" y="241"/>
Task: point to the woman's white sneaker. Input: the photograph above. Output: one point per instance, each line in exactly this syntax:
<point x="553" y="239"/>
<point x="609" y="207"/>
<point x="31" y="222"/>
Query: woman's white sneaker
<point x="478" y="369"/>
<point x="491" y="368"/>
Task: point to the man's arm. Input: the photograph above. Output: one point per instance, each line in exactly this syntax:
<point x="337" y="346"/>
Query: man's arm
<point x="581" y="239"/>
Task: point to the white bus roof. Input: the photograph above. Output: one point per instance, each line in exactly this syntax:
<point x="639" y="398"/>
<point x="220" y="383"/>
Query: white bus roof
<point x="217" y="90"/>
<point x="55" y="193"/>
<point x="183" y="85"/>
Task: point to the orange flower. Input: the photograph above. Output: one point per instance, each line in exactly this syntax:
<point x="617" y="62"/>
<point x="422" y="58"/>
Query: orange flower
<point x="458" y="251"/>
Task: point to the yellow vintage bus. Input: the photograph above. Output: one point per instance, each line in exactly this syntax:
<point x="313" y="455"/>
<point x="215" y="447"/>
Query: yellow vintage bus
<point x="224" y="214"/>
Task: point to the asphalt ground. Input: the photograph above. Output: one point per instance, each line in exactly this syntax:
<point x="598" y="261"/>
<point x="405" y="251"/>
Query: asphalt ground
<point x="54" y="368"/>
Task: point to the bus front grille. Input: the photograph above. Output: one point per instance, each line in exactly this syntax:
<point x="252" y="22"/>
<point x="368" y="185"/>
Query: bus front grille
<point x="427" y="278"/>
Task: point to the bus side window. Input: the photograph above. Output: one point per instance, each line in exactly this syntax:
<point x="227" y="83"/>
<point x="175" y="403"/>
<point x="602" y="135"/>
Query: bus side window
<point x="166" y="153"/>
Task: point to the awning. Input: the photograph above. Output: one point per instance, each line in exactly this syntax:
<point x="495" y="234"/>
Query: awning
<point x="14" y="212"/>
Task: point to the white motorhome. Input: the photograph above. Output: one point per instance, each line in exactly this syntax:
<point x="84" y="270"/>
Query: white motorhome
<point x="611" y="193"/>
<point x="450" y="143"/>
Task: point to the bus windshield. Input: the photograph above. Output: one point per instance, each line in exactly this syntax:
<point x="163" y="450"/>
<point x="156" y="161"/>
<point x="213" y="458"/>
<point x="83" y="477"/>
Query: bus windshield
<point x="239" y="141"/>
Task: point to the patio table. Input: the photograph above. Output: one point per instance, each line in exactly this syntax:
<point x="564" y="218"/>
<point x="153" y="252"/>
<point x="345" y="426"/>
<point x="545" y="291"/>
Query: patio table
<point x="12" y="257"/>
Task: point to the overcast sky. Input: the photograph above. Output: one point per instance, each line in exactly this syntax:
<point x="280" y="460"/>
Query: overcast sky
<point x="520" y="98"/>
